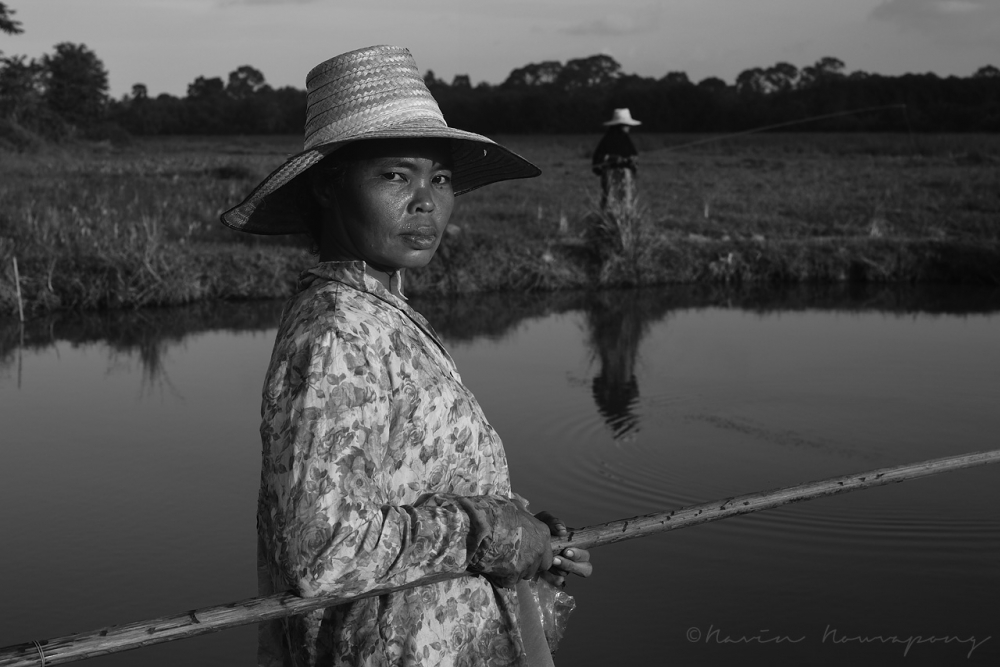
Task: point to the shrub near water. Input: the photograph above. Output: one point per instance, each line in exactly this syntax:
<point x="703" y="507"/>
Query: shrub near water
<point x="95" y="229"/>
<point x="101" y="227"/>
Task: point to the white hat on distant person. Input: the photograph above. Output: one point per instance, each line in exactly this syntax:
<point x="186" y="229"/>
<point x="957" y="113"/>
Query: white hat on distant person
<point x="622" y="117"/>
<point x="372" y="93"/>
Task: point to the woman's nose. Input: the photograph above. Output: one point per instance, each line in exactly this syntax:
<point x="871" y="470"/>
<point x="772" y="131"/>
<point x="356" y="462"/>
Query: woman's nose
<point x="422" y="200"/>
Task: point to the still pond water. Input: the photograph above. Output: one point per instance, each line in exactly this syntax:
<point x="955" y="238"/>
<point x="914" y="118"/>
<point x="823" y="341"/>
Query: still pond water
<point x="131" y="454"/>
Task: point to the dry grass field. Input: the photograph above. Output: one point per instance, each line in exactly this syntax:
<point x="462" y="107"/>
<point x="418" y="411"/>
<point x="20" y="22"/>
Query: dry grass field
<point x="782" y="186"/>
<point x="95" y="226"/>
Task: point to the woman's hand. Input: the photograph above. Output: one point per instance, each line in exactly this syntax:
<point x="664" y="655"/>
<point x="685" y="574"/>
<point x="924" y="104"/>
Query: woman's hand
<point x="533" y="555"/>
<point x="569" y="561"/>
<point x="505" y="565"/>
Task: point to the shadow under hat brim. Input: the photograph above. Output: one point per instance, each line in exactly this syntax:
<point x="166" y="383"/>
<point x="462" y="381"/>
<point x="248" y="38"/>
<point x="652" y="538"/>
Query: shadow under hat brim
<point x="274" y="206"/>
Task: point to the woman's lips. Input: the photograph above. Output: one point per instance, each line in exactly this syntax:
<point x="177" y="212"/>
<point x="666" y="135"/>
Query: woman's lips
<point x="421" y="239"/>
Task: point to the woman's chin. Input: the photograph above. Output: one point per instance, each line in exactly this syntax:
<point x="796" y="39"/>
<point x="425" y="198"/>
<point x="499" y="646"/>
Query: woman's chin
<point x="415" y="258"/>
<point x="419" y="263"/>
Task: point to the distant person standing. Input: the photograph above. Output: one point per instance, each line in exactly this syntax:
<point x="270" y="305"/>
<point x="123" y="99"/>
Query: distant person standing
<point x="614" y="161"/>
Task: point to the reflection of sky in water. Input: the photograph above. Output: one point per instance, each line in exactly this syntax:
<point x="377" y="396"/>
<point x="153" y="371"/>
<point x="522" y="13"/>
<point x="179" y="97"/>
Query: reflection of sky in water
<point x="130" y="491"/>
<point x="127" y="494"/>
<point x="903" y="378"/>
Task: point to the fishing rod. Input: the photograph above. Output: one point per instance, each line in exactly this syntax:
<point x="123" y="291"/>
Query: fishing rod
<point x="196" y="622"/>
<point x="788" y="123"/>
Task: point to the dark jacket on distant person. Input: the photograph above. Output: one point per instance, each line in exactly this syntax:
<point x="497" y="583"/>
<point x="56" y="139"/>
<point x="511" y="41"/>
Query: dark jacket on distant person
<point x="614" y="150"/>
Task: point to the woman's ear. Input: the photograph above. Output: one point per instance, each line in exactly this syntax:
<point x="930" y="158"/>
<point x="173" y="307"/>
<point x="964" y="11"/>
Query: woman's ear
<point x="323" y="192"/>
<point x="324" y="181"/>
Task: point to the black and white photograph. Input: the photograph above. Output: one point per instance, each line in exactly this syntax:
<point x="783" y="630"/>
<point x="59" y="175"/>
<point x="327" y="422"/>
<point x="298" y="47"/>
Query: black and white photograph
<point x="499" y="334"/>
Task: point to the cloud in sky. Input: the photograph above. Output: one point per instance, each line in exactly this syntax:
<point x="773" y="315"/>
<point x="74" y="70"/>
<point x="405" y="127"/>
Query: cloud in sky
<point x="961" y="31"/>
<point x="644" y="20"/>
<point x="949" y="20"/>
<point x="227" y="3"/>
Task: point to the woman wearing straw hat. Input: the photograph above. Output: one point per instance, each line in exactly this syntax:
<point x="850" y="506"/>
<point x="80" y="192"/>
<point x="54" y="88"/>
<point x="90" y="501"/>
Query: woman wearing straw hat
<point x="614" y="161"/>
<point x="379" y="467"/>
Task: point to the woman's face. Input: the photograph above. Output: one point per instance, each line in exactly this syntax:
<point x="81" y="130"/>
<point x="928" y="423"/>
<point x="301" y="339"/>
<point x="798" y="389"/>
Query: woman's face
<point x="392" y="205"/>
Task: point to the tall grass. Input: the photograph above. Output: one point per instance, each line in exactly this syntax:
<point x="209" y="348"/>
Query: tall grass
<point x="623" y="241"/>
<point x="100" y="228"/>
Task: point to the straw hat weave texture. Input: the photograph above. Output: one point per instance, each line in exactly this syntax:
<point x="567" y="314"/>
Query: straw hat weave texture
<point x="371" y="93"/>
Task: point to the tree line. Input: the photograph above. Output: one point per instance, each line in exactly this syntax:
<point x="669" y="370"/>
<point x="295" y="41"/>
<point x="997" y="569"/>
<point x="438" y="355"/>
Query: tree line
<point x="65" y="93"/>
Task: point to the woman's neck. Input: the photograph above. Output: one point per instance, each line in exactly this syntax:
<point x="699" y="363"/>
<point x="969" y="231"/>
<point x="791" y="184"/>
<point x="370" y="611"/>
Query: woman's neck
<point x="383" y="277"/>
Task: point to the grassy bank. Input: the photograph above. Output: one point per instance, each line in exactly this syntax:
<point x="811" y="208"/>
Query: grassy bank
<point x="96" y="227"/>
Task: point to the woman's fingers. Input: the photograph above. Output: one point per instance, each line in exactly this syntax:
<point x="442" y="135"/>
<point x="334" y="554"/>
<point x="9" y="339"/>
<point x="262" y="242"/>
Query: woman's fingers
<point x="573" y="561"/>
<point x="556" y="525"/>
<point x="569" y="561"/>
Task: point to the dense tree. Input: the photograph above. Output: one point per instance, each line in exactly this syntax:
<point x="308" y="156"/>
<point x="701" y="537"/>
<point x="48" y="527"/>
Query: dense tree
<point x="593" y="72"/>
<point x="243" y="103"/>
<point x="541" y="97"/>
<point x="69" y="88"/>
<point x="206" y="89"/>
<point x="713" y="84"/>
<point x="432" y="81"/>
<point x="244" y="82"/>
<point x="751" y="82"/>
<point x="7" y="23"/>
<point x="826" y="69"/>
<point x="534" y="74"/>
<point x="781" y="77"/>
<point x="676" y="79"/>
<point x="21" y="89"/>
<point x="76" y="84"/>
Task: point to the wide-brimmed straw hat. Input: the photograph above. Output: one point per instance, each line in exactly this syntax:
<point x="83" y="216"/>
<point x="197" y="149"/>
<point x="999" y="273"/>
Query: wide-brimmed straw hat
<point x="622" y="117"/>
<point x="371" y="93"/>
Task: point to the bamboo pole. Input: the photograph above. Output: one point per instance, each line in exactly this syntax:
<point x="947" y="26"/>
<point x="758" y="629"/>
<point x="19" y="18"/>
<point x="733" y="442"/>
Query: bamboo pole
<point x="113" y="639"/>
<point x="640" y="526"/>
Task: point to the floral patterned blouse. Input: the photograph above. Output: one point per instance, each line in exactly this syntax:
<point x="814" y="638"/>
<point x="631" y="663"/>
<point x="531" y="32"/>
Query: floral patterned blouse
<point x="379" y="468"/>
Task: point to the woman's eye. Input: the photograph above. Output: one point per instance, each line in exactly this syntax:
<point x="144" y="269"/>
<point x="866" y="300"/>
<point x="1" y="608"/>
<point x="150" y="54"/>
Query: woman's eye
<point x="442" y="179"/>
<point x="392" y="175"/>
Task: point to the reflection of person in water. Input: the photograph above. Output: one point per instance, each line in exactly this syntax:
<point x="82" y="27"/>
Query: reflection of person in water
<point x="614" y="161"/>
<point x="617" y="323"/>
<point x="616" y="328"/>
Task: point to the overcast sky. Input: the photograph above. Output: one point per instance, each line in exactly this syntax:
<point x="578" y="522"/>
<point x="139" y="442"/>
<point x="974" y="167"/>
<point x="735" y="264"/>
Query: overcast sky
<point x="166" y="44"/>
